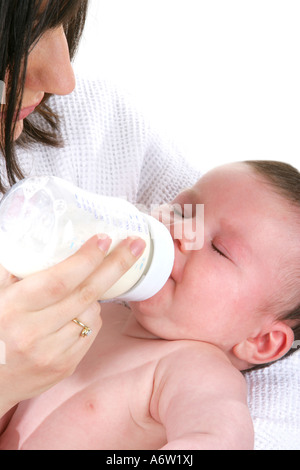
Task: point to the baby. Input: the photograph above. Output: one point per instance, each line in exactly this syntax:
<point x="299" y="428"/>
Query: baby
<point x="166" y="372"/>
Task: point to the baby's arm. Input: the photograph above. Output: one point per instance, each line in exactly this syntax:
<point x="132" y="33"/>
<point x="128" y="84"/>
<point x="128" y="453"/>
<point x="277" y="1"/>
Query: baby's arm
<point x="201" y="400"/>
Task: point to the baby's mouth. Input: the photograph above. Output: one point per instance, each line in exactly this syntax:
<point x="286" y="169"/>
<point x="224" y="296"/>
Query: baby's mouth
<point x="176" y="274"/>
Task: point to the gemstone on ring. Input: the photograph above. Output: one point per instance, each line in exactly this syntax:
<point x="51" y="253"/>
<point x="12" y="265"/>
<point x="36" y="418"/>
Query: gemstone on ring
<point x="85" y="332"/>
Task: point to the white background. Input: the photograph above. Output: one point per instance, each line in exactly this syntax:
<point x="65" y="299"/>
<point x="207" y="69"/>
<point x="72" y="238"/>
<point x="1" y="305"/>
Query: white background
<point x="222" y="77"/>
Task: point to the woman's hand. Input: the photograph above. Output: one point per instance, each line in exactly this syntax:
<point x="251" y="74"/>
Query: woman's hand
<point x="43" y="345"/>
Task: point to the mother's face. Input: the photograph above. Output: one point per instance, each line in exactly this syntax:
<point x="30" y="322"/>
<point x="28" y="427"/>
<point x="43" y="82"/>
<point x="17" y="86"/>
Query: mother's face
<point x="49" y="70"/>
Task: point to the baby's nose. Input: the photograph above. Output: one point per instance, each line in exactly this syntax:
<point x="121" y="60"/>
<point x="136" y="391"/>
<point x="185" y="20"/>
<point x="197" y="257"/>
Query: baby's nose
<point x="186" y="224"/>
<point x="189" y="231"/>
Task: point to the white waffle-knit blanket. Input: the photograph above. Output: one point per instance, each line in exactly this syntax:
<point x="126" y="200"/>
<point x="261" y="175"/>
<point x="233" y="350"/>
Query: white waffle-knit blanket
<point x="274" y="401"/>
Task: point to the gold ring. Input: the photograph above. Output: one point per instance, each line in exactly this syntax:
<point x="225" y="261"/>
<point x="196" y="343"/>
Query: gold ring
<point x="86" y="331"/>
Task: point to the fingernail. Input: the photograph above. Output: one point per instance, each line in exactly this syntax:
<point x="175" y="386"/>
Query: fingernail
<point x="104" y="242"/>
<point x="137" y="246"/>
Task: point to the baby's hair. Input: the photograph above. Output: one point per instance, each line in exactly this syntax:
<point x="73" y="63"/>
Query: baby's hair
<point x="285" y="180"/>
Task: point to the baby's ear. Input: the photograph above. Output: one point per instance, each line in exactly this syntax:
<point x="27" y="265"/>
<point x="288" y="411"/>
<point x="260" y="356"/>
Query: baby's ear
<point x="267" y="346"/>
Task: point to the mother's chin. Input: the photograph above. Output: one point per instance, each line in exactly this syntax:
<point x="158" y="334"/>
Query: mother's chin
<point x="18" y="129"/>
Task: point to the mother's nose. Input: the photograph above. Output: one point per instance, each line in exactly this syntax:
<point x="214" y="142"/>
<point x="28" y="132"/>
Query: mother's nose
<point x="49" y="67"/>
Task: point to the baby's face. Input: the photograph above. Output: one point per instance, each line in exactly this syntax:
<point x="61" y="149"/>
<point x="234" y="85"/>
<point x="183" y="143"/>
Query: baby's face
<point x="214" y="292"/>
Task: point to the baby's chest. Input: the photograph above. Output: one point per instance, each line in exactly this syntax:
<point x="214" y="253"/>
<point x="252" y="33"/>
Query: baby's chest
<point x="110" y="411"/>
<point x="102" y="416"/>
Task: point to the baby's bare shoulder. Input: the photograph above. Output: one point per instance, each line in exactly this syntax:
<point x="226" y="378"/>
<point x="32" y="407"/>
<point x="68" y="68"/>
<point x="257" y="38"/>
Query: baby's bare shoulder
<point x="198" y="382"/>
<point x="188" y="351"/>
<point x="200" y="364"/>
<point x="201" y="400"/>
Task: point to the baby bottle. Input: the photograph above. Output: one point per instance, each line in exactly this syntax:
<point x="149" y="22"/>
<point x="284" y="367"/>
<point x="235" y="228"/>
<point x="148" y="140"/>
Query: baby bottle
<point x="44" y="220"/>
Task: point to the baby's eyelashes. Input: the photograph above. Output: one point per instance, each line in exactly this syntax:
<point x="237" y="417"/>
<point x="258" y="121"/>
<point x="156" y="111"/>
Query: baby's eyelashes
<point x="217" y="250"/>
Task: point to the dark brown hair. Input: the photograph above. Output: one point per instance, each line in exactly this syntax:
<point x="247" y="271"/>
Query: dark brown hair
<point x="22" y="23"/>
<point x="285" y="180"/>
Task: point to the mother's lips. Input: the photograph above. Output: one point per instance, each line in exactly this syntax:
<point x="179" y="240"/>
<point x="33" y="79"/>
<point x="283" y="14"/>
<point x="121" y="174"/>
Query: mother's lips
<point x="26" y="111"/>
